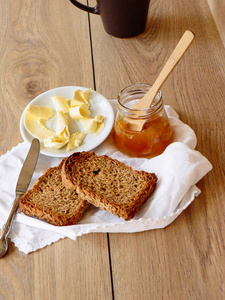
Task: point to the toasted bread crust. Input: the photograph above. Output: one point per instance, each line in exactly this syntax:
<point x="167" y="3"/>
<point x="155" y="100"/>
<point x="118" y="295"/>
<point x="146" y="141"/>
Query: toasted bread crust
<point x="108" y="183"/>
<point x="49" y="200"/>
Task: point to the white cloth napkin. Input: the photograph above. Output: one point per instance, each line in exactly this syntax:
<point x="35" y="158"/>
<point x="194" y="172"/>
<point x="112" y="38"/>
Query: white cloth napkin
<point x="178" y="169"/>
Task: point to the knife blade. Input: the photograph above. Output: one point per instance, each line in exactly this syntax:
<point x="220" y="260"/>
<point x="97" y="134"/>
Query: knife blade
<point x="23" y="182"/>
<point x="28" y="168"/>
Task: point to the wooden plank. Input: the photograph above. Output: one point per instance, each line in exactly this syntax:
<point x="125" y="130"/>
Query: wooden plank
<point x="46" y="44"/>
<point x="43" y="48"/>
<point x="184" y="260"/>
<point x="65" y="270"/>
<point x="217" y="8"/>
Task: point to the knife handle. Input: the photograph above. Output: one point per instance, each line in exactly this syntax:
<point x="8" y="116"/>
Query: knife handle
<point x="7" y="227"/>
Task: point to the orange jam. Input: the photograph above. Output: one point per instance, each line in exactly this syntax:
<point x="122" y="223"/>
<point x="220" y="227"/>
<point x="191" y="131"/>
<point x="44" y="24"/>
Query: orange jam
<point x="151" y="141"/>
<point x="156" y="133"/>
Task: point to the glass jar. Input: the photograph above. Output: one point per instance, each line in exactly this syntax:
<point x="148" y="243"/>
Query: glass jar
<point x="156" y="133"/>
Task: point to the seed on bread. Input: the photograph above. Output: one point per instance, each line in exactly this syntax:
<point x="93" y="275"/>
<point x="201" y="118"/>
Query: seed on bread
<point x="107" y="183"/>
<point x="49" y="200"/>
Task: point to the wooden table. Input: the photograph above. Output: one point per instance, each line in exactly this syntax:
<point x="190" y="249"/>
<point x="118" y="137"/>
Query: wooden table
<point x="46" y="44"/>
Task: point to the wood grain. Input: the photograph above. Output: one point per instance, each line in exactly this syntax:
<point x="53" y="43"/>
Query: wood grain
<point x="217" y="8"/>
<point x="65" y="270"/>
<point x="46" y="44"/>
<point x="40" y="51"/>
<point x="184" y="260"/>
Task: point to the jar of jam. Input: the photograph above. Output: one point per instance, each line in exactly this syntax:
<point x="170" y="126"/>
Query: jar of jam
<point x="156" y="133"/>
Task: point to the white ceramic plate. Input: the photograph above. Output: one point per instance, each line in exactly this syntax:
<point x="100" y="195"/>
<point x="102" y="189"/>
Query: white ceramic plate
<point x="99" y="106"/>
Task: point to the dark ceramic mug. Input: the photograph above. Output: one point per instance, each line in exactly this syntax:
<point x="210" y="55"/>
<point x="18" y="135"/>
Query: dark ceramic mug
<point x="121" y="18"/>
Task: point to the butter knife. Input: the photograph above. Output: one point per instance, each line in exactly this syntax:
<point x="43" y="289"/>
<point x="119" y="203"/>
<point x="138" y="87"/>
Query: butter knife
<point x="23" y="182"/>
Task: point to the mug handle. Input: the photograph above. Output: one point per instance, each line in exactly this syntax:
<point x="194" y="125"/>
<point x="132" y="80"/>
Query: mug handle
<point x="93" y="10"/>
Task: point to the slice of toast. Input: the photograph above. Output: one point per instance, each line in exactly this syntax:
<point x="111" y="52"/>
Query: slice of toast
<point x="108" y="183"/>
<point x="49" y="200"/>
